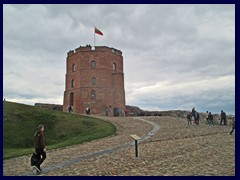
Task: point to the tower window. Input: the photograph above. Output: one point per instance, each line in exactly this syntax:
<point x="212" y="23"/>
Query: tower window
<point x="71" y="98"/>
<point x="94" y="81"/>
<point x="93" y="64"/>
<point x="93" y="95"/>
<point x="72" y="83"/>
<point x="73" y="67"/>
<point x="114" y="66"/>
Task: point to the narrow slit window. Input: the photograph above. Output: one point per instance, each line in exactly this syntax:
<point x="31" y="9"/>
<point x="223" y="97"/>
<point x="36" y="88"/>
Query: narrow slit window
<point x="94" y="81"/>
<point x="93" y="64"/>
<point x="72" y="83"/>
<point x="93" y="95"/>
<point x="114" y="66"/>
<point x="73" y="68"/>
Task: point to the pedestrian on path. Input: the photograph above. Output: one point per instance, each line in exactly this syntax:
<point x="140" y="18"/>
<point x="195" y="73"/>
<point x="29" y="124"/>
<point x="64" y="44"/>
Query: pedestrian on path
<point x="106" y="111"/>
<point x="70" y="109"/>
<point x="88" y="111"/>
<point x="197" y="117"/>
<point x="193" y="116"/>
<point x="233" y="126"/>
<point x="189" y="118"/>
<point x="40" y="149"/>
<point x="210" y="119"/>
<point x="207" y="113"/>
<point x="223" y="118"/>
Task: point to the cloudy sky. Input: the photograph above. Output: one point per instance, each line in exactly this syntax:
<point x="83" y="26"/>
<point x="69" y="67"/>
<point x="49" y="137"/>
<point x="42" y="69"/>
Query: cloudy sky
<point x="175" y="56"/>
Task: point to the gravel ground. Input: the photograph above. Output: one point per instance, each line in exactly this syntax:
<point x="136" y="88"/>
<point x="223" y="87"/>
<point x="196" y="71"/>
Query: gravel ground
<point x="175" y="150"/>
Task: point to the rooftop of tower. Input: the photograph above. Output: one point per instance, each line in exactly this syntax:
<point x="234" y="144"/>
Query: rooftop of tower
<point x="88" y="48"/>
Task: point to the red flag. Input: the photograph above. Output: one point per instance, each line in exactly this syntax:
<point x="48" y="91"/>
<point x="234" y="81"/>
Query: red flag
<point x="97" y="31"/>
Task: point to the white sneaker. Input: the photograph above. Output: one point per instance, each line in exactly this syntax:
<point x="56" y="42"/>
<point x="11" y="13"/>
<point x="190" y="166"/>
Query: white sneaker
<point x="38" y="170"/>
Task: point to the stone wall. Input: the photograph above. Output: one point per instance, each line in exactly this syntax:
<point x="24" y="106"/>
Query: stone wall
<point x="136" y="111"/>
<point x="50" y="106"/>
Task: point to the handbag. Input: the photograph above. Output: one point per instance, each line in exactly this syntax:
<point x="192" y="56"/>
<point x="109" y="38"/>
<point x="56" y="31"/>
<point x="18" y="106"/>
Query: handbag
<point x="34" y="159"/>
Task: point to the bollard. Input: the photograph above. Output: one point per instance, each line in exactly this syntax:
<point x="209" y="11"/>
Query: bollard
<point x="136" y="138"/>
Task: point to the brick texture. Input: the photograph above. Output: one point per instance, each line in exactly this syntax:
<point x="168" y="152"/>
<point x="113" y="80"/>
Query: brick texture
<point x="109" y="86"/>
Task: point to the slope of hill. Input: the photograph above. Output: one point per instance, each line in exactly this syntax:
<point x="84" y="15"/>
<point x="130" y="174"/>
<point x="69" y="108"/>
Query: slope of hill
<point x="61" y="129"/>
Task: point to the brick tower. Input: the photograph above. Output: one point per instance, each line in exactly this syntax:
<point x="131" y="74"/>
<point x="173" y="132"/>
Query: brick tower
<point x="94" y="79"/>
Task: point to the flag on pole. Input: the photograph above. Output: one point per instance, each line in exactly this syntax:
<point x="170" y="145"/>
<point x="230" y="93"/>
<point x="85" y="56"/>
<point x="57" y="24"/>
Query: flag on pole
<point x="97" y="31"/>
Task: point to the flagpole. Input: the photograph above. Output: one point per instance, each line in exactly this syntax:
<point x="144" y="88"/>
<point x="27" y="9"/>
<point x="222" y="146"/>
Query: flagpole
<point x="94" y="37"/>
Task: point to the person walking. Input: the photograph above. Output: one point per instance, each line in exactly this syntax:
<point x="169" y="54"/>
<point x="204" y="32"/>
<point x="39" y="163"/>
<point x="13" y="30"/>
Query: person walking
<point x="106" y="111"/>
<point x="210" y="119"/>
<point x="223" y="118"/>
<point x="196" y="117"/>
<point x="70" y="109"/>
<point x="40" y="149"/>
<point x="89" y="110"/>
<point x="189" y="118"/>
<point x="233" y="126"/>
<point x="207" y="117"/>
<point x="193" y="115"/>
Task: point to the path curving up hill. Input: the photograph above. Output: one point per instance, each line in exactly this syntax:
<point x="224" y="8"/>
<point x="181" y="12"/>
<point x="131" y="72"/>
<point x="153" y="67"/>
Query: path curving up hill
<point x="168" y="147"/>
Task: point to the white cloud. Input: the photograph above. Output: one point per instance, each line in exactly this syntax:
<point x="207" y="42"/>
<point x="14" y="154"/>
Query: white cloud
<point x="175" y="56"/>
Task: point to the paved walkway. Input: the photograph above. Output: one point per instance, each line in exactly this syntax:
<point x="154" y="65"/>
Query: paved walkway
<point x="177" y="149"/>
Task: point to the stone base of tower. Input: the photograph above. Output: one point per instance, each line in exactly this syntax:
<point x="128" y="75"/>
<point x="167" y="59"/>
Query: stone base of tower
<point x="98" y="106"/>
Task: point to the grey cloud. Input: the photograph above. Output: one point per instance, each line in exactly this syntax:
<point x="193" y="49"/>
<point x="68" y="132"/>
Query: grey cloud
<point x="163" y="46"/>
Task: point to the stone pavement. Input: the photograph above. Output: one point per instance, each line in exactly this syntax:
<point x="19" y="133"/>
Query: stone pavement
<point x="176" y="149"/>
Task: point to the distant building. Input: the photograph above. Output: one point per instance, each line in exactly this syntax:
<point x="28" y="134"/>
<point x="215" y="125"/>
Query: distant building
<point x="94" y="79"/>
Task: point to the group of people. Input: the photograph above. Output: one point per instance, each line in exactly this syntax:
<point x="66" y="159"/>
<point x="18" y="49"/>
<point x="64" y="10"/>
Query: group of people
<point x="193" y="118"/>
<point x="223" y="118"/>
<point x="70" y="109"/>
<point x="107" y="110"/>
<point x="209" y="118"/>
<point x="39" y="143"/>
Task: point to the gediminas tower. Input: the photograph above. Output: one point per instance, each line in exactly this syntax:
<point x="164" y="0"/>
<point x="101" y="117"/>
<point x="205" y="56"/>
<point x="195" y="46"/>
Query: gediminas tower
<point x="94" y="79"/>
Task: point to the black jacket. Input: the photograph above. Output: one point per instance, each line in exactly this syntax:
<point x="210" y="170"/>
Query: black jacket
<point x="39" y="140"/>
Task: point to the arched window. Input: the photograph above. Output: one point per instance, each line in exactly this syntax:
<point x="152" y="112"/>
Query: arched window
<point x="93" y="64"/>
<point x="72" y="83"/>
<point x="73" y="67"/>
<point x="94" y="81"/>
<point x="71" y="98"/>
<point x="93" y="95"/>
<point x="114" y="66"/>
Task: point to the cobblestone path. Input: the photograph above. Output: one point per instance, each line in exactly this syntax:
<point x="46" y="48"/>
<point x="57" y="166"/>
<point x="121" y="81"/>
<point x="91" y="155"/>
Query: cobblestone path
<point x="177" y="149"/>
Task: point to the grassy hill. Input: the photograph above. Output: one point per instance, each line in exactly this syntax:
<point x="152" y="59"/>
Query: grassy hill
<point x="61" y="129"/>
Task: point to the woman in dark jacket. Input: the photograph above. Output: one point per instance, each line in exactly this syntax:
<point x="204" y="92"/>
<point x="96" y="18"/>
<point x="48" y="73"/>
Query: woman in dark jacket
<point x="39" y="146"/>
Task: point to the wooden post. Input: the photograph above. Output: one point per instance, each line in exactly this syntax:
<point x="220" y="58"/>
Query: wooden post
<point x="136" y="138"/>
<point x="136" y="148"/>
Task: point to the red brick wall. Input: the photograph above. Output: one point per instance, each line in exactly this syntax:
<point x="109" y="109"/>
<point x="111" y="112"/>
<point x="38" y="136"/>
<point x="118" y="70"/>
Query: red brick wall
<point x="109" y="83"/>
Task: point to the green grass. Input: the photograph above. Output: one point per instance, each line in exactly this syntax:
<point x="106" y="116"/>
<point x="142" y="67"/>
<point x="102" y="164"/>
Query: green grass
<point x="61" y="129"/>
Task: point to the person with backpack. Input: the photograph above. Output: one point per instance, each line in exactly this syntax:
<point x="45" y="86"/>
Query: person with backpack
<point x="196" y="117"/>
<point x="40" y="149"/>
<point x="223" y="118"/>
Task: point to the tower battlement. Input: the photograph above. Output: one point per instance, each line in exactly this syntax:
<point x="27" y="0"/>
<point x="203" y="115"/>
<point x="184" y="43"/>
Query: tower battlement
<point x="88" y="48"/>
